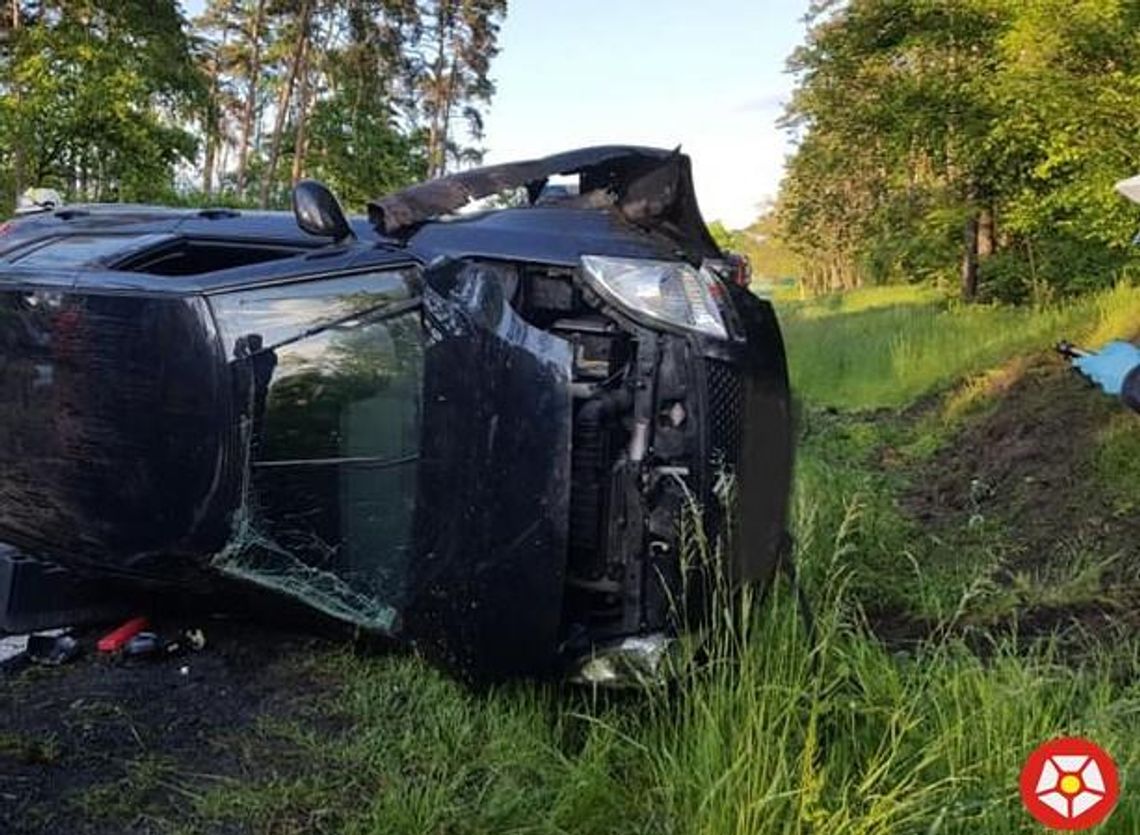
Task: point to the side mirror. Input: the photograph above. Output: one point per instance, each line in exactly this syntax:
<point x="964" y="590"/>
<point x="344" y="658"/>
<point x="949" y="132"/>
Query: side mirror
<point x="318" y="212"/>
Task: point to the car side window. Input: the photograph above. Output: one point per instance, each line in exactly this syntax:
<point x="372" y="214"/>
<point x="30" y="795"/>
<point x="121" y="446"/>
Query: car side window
<point x="331" y="374"/>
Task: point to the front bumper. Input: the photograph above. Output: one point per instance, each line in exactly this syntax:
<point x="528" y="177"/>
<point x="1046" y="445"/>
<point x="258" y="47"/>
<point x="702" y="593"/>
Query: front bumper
<point x="686" y="481"/>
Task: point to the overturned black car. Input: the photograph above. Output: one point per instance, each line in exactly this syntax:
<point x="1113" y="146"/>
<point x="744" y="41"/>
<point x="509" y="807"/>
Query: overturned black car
<point x="474" y="433"/>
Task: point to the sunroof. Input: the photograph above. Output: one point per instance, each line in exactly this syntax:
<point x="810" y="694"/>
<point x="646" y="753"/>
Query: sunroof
<point x="80" y="250"/>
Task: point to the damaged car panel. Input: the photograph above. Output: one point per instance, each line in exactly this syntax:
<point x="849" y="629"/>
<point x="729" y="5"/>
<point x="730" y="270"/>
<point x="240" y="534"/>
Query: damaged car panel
<point x="480" y="436"/>
<point x="648" y="187"/>
<point x="494" y="495"/>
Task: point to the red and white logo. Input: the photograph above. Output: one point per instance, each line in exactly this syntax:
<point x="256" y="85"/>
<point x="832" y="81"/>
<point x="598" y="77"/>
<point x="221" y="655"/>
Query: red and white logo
<point x="1069" y="783"/>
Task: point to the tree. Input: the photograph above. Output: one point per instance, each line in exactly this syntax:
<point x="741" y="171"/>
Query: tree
<point x="125" y="99"/>
<point x="304" y="104"/>
<point x="453" y="74"/>
<point x="970" y="130"/>
<point x="299" y="40"/>
<point x="208" y="52"/>
<point x="893" y="97"/>
<point x="253" y="31"/>
<point x="105" y="87"/>
<point x="9" y="33"/>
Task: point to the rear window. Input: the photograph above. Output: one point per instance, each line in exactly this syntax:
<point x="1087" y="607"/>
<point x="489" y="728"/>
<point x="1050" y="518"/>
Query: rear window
<point x="79" y="250"/>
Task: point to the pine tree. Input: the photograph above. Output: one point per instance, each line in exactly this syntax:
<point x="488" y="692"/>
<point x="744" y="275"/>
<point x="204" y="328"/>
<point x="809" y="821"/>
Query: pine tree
<point x="460" y="39"/>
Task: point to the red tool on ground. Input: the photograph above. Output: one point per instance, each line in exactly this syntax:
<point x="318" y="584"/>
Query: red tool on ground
<point x="115" y="640"/>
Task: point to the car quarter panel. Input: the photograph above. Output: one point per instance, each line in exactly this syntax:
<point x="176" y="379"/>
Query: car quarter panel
<point x="766" y="442"/>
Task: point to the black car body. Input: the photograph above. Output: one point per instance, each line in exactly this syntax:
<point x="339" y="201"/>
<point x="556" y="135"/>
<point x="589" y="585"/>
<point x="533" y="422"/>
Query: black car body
<point x="447" y="430"/>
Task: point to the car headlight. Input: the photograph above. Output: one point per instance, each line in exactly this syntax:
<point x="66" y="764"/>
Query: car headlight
<point x="670" y="292"/>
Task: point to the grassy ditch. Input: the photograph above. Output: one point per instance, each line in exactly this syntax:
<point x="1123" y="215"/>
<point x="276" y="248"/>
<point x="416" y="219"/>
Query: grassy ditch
<point x="850" y="734"/>
<point x="886" y="347"/>
<point x="774" y="735"/>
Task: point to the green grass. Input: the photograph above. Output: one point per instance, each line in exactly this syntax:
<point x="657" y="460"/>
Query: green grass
<point x="772" y="736"/>
<point x="1118" y="462"/>
<point x="886" y="347"/>
<point x="775" y="734"/>
<point x="24" y="749"/>
<point x="131" y="795"/>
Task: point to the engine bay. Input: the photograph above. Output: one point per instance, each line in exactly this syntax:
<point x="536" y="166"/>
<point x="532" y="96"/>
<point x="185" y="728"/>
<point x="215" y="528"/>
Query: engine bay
<point x="641" y="466"/>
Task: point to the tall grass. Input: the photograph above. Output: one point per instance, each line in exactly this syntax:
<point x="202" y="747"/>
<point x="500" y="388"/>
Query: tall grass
<point x="886" y="347"/>
<point x="775" y="731"/>
<point x="840" y="736"/>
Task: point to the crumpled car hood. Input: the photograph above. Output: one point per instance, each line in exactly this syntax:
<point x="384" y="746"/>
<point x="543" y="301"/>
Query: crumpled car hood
<point x="649" y="187"/>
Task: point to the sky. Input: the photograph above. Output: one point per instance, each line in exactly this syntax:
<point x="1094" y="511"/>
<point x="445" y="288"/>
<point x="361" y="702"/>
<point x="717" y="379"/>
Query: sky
<point x="707" y="75"/>
<point x="704" y="74"/>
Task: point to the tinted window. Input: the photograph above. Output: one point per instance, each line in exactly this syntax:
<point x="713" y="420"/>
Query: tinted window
<point x="272" y="315"/>
<point x="349" y="391"/>
<point x="330" y="378"/>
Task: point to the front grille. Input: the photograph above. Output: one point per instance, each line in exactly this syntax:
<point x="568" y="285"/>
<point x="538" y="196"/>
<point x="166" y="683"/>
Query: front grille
<point x="725" y="414"/>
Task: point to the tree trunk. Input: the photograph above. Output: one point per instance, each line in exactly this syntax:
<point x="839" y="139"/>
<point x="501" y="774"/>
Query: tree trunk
<point x="302" y="116"/>
<point x="970" y="259"/>
<point x="211" y="129"/>
<point x="17" y="139"/>
<point x="251" y="100"/>
<point x="284" y="100"/>
<point x="208" y="166"/>
<point x="437" y="132"/>
<point x="987" y="234"/>
<point x="445" y="122"/>
<point x="223" y="161"/>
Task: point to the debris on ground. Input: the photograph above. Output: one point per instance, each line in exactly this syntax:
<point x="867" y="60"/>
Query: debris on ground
<point x="74" y="739"/>
<point x="53" y="650"/>
<point x="1028" y="464"/>
<point x="116" y="639"/>
<point x="12" y="647"/>
<point x="142" y="645"/>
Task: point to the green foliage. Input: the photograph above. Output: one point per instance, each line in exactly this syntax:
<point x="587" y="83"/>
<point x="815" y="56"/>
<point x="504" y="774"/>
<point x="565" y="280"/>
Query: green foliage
<point x="96" y="93"/>
<point x="725" y="238"/>
<point x="893" y="345"/>
<point x="450" y="68"/>
<point x="764" y="245"/>
<point x="917" y="119"/>
<point x="359" y="152"/>
<point x="1118" y="462"/>
<point x="128" y="101"/>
